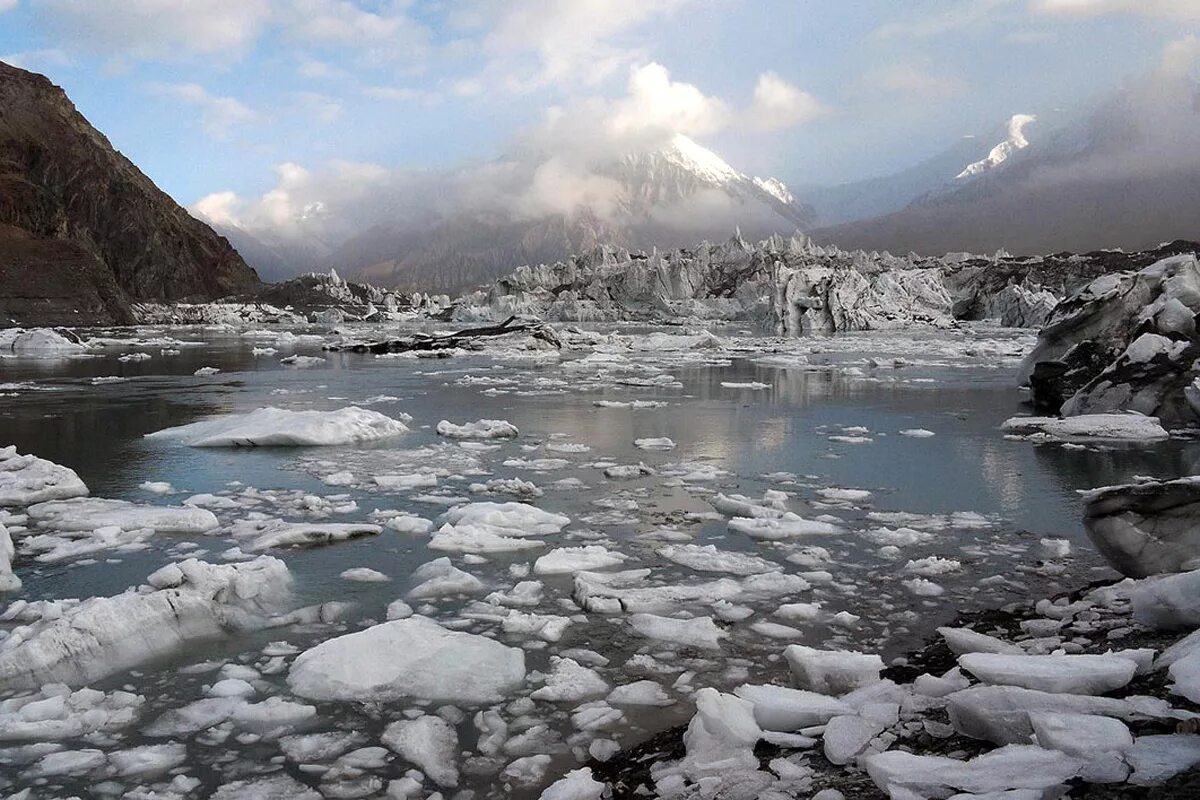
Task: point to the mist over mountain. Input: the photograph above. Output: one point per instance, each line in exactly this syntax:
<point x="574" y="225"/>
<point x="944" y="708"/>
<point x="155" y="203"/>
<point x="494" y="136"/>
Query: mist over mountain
<point x="1126" y="174"/>
<point x="453" y="230"/>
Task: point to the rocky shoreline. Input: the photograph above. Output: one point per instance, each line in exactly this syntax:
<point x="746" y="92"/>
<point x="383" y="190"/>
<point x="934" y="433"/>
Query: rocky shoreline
<point x="629" y="772"/>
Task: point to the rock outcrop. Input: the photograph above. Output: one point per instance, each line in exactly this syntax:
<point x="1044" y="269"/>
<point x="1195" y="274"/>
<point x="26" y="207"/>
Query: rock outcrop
<point x="83" y="232"/>
<point x="1125" y="342"/>
<point x="1146" y="528"/>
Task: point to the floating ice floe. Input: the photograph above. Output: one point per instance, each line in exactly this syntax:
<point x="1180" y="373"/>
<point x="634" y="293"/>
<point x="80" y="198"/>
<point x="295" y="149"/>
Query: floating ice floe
<point x="278" y="427"/>
<point x="571" y="560"/>
<point x="707" y="558"/>
<point x="1125" y="427"/>
<point x="412" y="658"/>
<point x="302" y="362"/>
<point x="38" y="342"/>
<point x="271" y="533"/>
<point x="25" y="480"/>
<point x="661" y="443"/>
<point x="189" y="601"/>
<point x="8" y="581"/>
<point x="54" y="713"/>
<point x="483" y="429"/>
<point x="92" y="513"/>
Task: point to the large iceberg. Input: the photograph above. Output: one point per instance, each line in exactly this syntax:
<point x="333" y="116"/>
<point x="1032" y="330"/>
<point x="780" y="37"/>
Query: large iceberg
<point x="280" y="427"/>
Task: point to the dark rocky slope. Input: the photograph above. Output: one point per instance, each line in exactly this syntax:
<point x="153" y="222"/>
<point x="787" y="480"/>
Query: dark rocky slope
<point x="83" y="232"/>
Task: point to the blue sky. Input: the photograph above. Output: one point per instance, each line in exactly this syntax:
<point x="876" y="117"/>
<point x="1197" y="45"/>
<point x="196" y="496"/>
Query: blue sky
<point x="212" y="96"/>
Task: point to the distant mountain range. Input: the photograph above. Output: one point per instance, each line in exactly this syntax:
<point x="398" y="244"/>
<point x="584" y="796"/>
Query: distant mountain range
<point x="663" y="196"/>
<point x="83" y="233"/>
<point x="1125" y="175"/>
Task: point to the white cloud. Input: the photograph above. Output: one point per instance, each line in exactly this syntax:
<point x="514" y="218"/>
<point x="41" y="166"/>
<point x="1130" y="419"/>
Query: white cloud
<point x="779" y="104"/>
<point x="535" y="43"/>
<point x="218" y="208"/>
<point x="154" y="29"/>
<point x="559" y="166"/>
<point x="654" y="101"/>
<point x="385" y="32"/>
<point x="7" y="5"/>
<point x="1171" y="9"/>
<point x="219" y="116"/>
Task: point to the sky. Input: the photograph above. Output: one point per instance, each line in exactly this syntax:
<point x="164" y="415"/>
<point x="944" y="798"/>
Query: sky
<point x="223" y="100"/>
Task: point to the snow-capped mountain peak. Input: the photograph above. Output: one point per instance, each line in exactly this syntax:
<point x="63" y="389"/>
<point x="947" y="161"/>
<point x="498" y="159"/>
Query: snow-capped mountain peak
<point x="777" y="189"/>
<point x="700" y="161"/>
<point x="1015" y="142"/>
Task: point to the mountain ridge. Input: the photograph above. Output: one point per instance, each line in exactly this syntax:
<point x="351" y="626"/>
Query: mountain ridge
<point x="83" y="232"/>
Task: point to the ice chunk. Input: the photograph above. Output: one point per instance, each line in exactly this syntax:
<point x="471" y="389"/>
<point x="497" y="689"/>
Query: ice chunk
<point x="1156" y="759"/>
<point x="708" y="558"/>
<point x="429" y="743"/>
<point x="786" y="526"/>
<point x="1071" y="674"/>
<point x="408" y="658"/>
<point x="569" y="560"/>
<point x="364" y="575"/>
<point x="273" y="787"/>
<point x="440" y="578"/>
<point x="276" y="533"/>
<point x="477" y="539"/>
<point x="847" y="736"/>
<point x="575" y="785"/>
<point x="639" y="693"/>
<point x="105" y="635"/>
<point x="832" y="672"/>
<point x="25" y="480"/>
<point x="278" y="427"/>
<point x="1012" y="767"/>
<point x="38" y="342"/>
<point x="570" y="681"/>
<point x="1131" y="427"/>
<point x="8" y="581"/>
<point x="483" y="429"/>
<point x="661" y="443"/>
<point x="964" y="640"/>
<point x="92" y="513"/>
<point x="778" y="708"/>
<point x="55" y="712"/>
<point x="721" y="736"/>
<point x="1087" y="736"/>
<point x="1000" y="714"/>
<point x="509" y="519"/>
<point x="700" y="632"/>
<point x="1168" y="601"/>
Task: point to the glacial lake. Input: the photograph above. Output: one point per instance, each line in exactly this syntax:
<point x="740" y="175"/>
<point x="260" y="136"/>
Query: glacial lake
<point x="971" y="495"/>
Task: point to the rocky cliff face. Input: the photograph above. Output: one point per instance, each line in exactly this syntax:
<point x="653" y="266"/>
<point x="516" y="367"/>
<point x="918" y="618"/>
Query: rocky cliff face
<point x="83" y="233"/>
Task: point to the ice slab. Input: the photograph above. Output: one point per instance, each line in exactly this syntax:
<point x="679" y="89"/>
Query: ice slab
<point x="279" y="427"/>
<point x="409" y="658"/>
